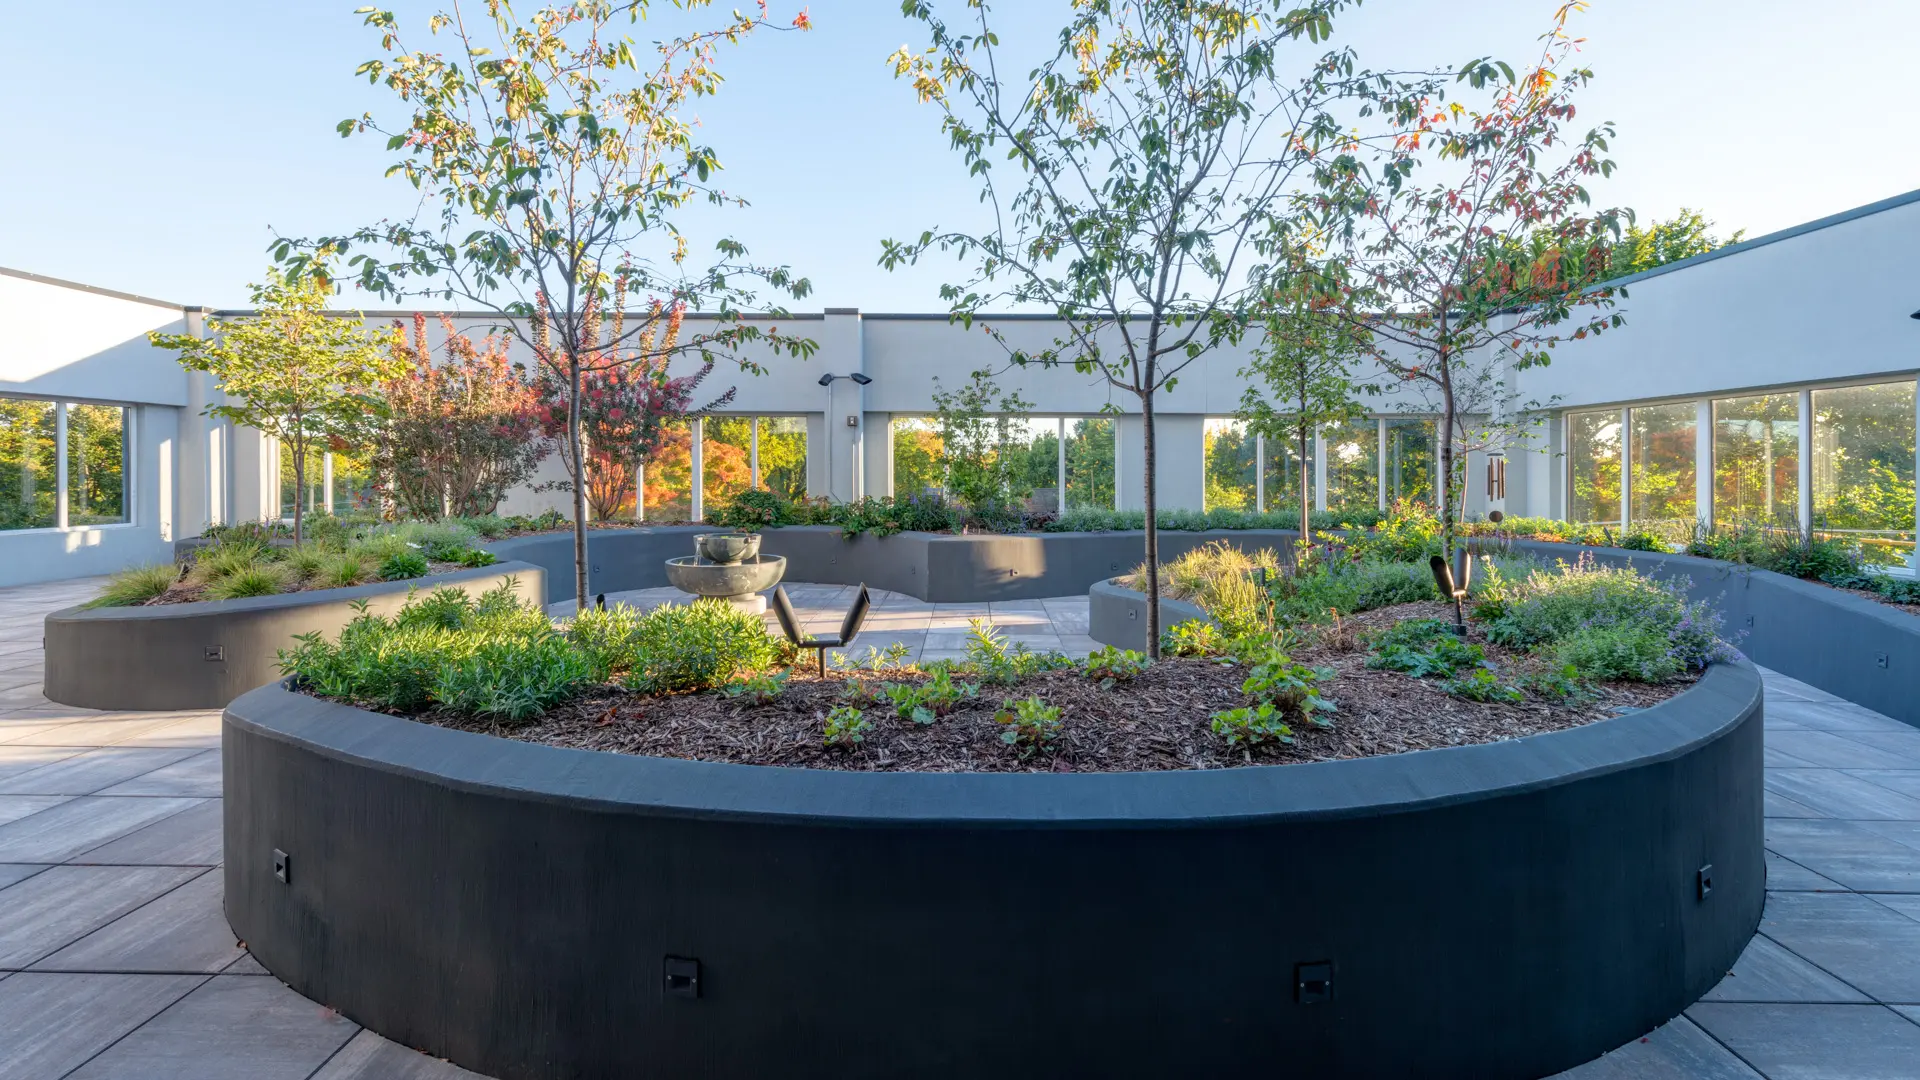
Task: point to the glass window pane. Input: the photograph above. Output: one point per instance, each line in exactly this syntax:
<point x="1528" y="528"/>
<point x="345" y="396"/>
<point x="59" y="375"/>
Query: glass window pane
<point x="726" y="468"/>
<point x="1033" y="461"/>
<point x="1663" y="469"/>
<point x="1353" y="465"/>
<point x="917" y="462"/>
<point x="353" y="484"/>
<point x="1231" y="465"/>
<point x="1412" y="464"/>
<point x="669" y="478"/>
<point x="1593" y="468"/>
<point x="783" y="455"/>
<point x="1289" y="468"/>
<point x="1756" y="460"/>
<point x="28" y="468"/>
<point x="1863" y="466"/>
<point x="97" y="465"/>
<point x="315" y="481"/>
<point x="1090" y="463"/>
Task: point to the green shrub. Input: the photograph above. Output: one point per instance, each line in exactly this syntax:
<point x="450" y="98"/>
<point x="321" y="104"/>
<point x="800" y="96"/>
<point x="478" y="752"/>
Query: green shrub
<point x="754" y="509"/>
<point x="1348" y="588"/>
<point x="1252" y="725"/>
<point x="400" y="567"/>
<point x="1194" y="637"/>
<point x="488" y="526"/>
<point x="445" y="608"/>
<point x="1410" y="532"/>
<point x="136" y="585"/>
<point x="1562" y="685"/>
<point x="306" y="562"/>
<point x="1289" y="687"/>
<point x="846" y="727"/>
<point x="1481" y="684"/>
<point x="260" y="579"/>
<point x="763" y="688"/>
<point x="1782" y="550"/>
<point x="1109" y="666"/>
<point x="697" y="646"/>
<point x="609" y="638"/>
<point x="474" y="558"/>
<point x="1635" y="653"/>
<point x="1422" y="648"/>
<point x="341" y="571"/>
<point x="1031" y="724"/>
<point x="1221" y="579"/>
<point x="510" y="677"/>
<point x="990" y="656"/>
<point x="218" y="560"/>
<point x="1642" y="541"/>
<point x="926" y="702"/>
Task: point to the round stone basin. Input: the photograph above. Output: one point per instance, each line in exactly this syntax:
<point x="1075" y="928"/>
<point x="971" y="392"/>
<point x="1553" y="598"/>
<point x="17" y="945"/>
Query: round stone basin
<point x="728" y="548"/>
<point x="732" y="581"/>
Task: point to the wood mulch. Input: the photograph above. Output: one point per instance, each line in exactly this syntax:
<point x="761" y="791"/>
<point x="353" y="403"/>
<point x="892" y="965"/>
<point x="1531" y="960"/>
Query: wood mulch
<point x="184" y="592"/>
<point x="1159" y="720"/>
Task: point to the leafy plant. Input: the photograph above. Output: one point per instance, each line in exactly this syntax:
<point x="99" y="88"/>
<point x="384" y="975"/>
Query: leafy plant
<point x="263" y="579"/>
<point x="1252" y="725"/>
<point x="474" y="558"/>
<point x="341" y="571"/>
<point x="511" y="678"/>
<point x="762" y="688"/>
<point x="1641" y="540"/>
<point x="697" y="646"/>
<point x="1562" y="685"/>
<point x="846" y="727"/>
<point x="1194" y="637"/>
<point x="1621" y="616"/>
<point x="1110" y="666"/>
<point x="1481" y="684"/>
<point x="1422" y="648"/>
<point x="1289" y="687"/>
<point x="445" y="608"/>
<point x="609" y="638"/>
<point x="989" y="655"/>
<point x="406" y="564"/>
<point x="1031" y="724"/>
<point x="925" y="702"/>
<point x="1620" y="651"/>
<point x="136" y="585"/>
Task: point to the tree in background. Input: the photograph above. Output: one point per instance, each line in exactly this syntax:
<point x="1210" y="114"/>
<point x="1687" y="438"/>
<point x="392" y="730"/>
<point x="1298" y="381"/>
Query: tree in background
<point x="1637" y="250"/>
<point x="459" y="432"/>
<point x="1230" y="455"/>
<point x="919" y="458"/>
<point x="293" y="372"/>
<point x="551" y="164"/>
<point x="1428" y="272"/>
<point x="629" y="408"/>
<point x="976" y="424"/>
<point x="1135" y="178"/>
<point x="1303" y="376"/>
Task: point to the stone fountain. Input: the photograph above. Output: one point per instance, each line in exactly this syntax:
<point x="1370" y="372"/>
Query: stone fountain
<point x="728" y="566"/>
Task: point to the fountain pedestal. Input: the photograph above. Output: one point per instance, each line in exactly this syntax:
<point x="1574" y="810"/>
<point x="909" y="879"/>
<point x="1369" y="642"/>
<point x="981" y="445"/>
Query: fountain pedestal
<point x="739" y="575"/>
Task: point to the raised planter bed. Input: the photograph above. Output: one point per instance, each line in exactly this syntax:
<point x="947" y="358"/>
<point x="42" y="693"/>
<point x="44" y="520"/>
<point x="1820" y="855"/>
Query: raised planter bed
<point x="1501" y="910"/>
<point x="202" y="655"/>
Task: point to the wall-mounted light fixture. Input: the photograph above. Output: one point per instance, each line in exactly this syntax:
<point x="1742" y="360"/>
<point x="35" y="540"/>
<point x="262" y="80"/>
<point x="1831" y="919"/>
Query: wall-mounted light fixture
<point x="827" y="380"/>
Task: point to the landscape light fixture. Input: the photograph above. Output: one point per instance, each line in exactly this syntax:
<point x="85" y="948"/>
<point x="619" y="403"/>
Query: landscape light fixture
<point x="1453" y="581"/>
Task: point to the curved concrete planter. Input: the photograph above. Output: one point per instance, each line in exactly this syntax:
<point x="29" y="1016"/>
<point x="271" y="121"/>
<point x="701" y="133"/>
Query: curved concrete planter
<point x="203" y="655"/>
<point x="1117" y="615"/>
<point x="1496" y="911"/>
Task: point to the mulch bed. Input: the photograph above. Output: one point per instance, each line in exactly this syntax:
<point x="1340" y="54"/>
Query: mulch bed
<point x="1159" y="720"/>
<point x="181" y="592"/>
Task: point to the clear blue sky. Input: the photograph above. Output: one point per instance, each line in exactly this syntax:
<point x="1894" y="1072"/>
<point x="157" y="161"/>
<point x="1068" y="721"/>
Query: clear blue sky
<point x="151" y="147"/>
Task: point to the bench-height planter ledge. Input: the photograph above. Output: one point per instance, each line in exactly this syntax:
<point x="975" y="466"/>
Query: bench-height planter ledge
<point x="1497" y="911"/>
<point x="204" y="654"/>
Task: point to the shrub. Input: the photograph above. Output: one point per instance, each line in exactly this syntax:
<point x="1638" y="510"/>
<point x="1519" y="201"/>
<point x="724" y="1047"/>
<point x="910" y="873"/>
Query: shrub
<point x="1290" y="688"/>
<point x="474" y="558"/>
<point x="445" y="608"/>
<point x="989" y="656"/>
<point x="697" y="646"/>
<point x="1410" y="532"/>
<point x="1252" y="726"/>
<point x="1347" y="588"/>
<point x="136" y="585"/>
<point x="846" y="727"/>
<point x="225" y="557"/>
<point x="1481" y="684"/>
<point x="1031" y="724"/>
<point x="512" y="678"/>
<point x="760" y="689"/>
<point x="930" y="700"/>
<point x="1548" y="607"/>
<point x="340" y="571"/>
<point x="1784" y="551"/>
<point x="1635" y="653"/>
<point x="1220" y="578"/>
<point x="260" y="579"/>
<point x="406" y="564"/>
<point x="1642" y="541"/>
<point x="609" y="638"/>
<point x="1194" y="637"/>
<point x="754" y="509"/>
<point x="306" y="561"/>
<point x="1561" y="685"/>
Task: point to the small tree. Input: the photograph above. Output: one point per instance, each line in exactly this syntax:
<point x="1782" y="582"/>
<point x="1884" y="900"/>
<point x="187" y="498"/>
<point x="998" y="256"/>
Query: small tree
<point x="292" y="371"/>
<point x="975" y="423"/>
<point x="1433" y="273"/>
<point x="1154" y="160"/>
<point x="459" y="432"/>
<point x="628" y="409"/>
<point x="1305" y="371"/>
<point x="553" y="155"/>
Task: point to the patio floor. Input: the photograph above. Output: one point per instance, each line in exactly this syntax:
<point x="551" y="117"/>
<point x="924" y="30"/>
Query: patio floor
<point x="116" y="961"/>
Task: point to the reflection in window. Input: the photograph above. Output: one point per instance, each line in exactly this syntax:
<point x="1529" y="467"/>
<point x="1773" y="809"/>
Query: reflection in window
<point x="669" y="477"/>
<point x="1756" y="460"/>
<point x="1090" y="463"/>
<point x="726" y="462"/>
<point x="1289" y="468"/>
<point x="353" y="484"/>
<point x="783" y="455"/>
<point x="1863" y="466"/>
<point x="1353" y="465"/>
<point x="1412" y="465"/>
<point x="1231" y="465"/>
<point x="28" y="465"/>
<point x="97" y="465"/>
<point x="1593" y="468"/>
<point x="1662" y="486"/>
<point x="315" y="495"/>
<point x="1032" y="452"/>
<point x="919" y="468"/>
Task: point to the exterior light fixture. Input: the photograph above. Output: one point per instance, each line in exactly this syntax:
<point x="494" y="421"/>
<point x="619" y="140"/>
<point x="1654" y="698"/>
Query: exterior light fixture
<point x="1915" y="315"/>
<point x="827" y="381"/>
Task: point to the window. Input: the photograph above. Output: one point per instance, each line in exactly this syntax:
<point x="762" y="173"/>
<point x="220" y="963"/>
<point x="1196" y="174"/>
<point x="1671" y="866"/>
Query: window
<point x="1593" y="468"/>
<point x="726" y="465"/>
<point x="1231" y="465"/>
<point x="353" y="484"/>
<point x="1412" y="464"/>
<point x="783" y="455"/>
<point x="314" y="497"/>
<point x="1863" y="450"/>
<point x="1284" y="471"/>
<point x="97" y="465"/>
<point x="1756" y="460"/>
<point x="1090" y="464"/>
<point x="669" y="477"/>
<point x="1033" y="461"/>
<point x="918" y="467"/>
<point x="28" y="465"/>
<point x="1353" y="465"/>
<point x="1662" y="486"/>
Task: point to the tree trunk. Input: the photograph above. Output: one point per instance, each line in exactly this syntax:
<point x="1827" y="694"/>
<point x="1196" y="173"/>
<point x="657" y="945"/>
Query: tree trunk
<point x="1305" y="543"/>
<point x="578" y="466"/>
<point x="299" y="484"/>
<point x="1447" y="484"/>
<point x="1153" y="530"/>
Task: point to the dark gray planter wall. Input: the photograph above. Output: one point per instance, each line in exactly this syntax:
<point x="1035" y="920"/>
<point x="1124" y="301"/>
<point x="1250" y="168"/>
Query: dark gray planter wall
<point x="1117" y="615"/>
<point x="203" y="655"/>
<point x="1497" y="911"/>
<point x="935" y="567"/>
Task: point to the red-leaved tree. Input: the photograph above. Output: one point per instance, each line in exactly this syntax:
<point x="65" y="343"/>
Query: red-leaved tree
<point x="460" y="429"/>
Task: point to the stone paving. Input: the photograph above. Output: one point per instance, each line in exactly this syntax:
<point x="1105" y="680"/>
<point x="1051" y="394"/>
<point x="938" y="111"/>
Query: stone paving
<point x="116" y="961"/>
